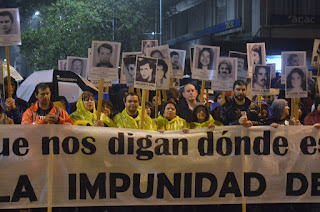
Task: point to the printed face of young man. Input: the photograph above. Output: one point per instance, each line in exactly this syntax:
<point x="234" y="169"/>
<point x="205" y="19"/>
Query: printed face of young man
<point x="240" y="63"/>
<point x="104" y="55"/>
<point x="261" y="76"/>
<point x="5" y="24"/>
<point x="146" y="72"/>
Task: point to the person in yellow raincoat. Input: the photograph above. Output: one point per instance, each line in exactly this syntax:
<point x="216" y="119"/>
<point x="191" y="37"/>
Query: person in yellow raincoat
<point x="86" y="113"/>
<point x="201" y="118"/>
<point x="130" y="117"/>
<point x="168" y="120"/>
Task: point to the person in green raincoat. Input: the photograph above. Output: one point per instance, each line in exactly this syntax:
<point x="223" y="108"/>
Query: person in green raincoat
<point x="130" y="117"/>
<point x="168" y="120"/>
<point x="201" y="118"/>
<point x="86" y="113"/>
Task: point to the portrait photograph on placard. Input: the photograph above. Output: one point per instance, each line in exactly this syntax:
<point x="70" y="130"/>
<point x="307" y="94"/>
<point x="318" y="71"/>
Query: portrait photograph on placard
<point x="10" y="34"/>
<point x="227" y="69"/>
<point x="205" y="62"/>
<point x="178" y="61"/>
<point x="256" y="54"/>
<point x="146" y="44"/>
<point x="296" y="81"/>
<point x="315" y="59"/>
<point x="176" y="83"/>
<point x="292" y="58"/>
<point x="62" y="65"/>
<point x="162" y="75"/>
<point x="261" y="80"/>
<point x="105" y="60"/>
<point x="145" y="76"/>
<point x="77" y="65"/>
<point x="242" y="72"/>
<point x="128" y="67"/>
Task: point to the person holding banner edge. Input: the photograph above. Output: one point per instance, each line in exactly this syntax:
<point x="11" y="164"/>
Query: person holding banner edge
<point x="240" y="110"/>
<point x="43" y="111"/>
<point x="130" y="117"/>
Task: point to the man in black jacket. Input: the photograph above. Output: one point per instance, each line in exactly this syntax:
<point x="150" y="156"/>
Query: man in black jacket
<point x="240" y="110"/>
<point x="186" y="104"/>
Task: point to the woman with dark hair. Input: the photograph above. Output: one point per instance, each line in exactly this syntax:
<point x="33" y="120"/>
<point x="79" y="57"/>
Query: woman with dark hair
<point x="168" y="120"/>
<point x="224" y="71"/>
<point x="256" y="56"/>
<point x="201" y="117"/>
<point x="157" y="54"/>
<point x="162" y="69"/>
<point x="149" y="109"/>
<point x="86" y="114"/>
<point x="296" y="81"/>
<point x="205" y="59"/>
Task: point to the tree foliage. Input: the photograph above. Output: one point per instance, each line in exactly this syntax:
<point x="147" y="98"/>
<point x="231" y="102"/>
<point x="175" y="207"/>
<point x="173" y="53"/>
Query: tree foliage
<point x="68" y="27"/>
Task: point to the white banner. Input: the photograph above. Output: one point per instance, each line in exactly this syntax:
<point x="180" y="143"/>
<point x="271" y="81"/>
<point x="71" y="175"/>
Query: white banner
<point x="96" y="166"/>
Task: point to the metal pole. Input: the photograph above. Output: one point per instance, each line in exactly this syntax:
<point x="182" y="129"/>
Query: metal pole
<point x="160" y="40"/>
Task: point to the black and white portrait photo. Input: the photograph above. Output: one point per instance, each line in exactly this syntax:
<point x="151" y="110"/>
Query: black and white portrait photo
<point x="225" y="74"/>
<point x="261" y="77"/>
<point x="162" y="75"/>
<point x="315" y="59"/>
<point x="159" y="52"/>
<point x="129" y="68"/>
<point x="77" y="65"/>
<point x="205" y="61"/>
<point x="146" y="44"/>
<point x="62" y="65"/>
<point x="256" y="54"/>
<point x="105" y="60"/>
<point x="292" y="58"/>
<point x="10" y="27"/>
<point x="178" y="61"/>
<point x="242" y="72"/>
<point x="296" y="81"/>
<point x="145" y="77"/>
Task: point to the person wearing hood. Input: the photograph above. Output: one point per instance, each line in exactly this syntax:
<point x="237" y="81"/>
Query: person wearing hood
<point x="130" y="117"/>
<point x="86" y="114"/>
<point x="201" y="118"/>
<point x="168" y="120"/>
<point x="280" y="114"/>
<point x="13" y="106"/>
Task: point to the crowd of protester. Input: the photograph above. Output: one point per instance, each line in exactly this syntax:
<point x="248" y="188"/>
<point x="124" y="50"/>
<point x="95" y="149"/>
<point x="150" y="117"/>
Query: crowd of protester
<point x="181" y="111"/>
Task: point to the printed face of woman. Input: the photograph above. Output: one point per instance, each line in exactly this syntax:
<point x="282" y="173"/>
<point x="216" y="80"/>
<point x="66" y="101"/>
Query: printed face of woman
<point x="169" y="112"/>
<point x="296" y="80"/>
<point x="160" y="71"/>
<point x="146" y="72"/>
<point x="224" y="70"/>
<point x="205" y="58"/>
<point x="255" y="57"/>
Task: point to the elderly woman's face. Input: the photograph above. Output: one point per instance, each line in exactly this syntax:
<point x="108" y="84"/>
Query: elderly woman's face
<point x="255" y="57"/>
<point x="205" y="58"/>
<point x="169" y="111"/>
<point x="296" y="80"/>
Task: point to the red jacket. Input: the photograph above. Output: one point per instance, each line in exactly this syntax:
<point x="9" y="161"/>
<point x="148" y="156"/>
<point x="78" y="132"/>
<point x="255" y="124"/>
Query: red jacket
<point x="312" y="118"/>
<point x="27" y="117"/>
